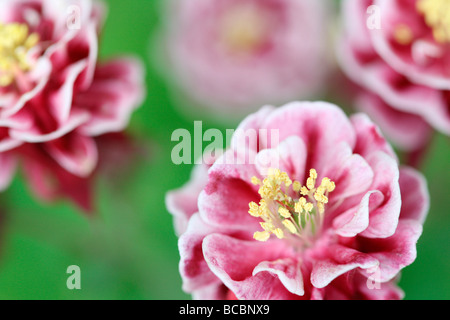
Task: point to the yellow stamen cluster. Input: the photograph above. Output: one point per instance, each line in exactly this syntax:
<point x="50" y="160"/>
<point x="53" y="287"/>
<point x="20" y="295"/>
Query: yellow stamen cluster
<point x="15" y="44"/>
<point x="318" y="193"/>
<point x="243" y="28"/>
<point x="281" y="214"/>
<point x="403" y="34"/>
<point x="271" y="186"/>
<point x="437" y="17"/>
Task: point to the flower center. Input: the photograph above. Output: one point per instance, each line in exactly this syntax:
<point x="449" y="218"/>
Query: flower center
<point x="244" y="28"/>
<point x="437" y="17"/>
<point x="286" y="217"/>
<point x="403" y="34"/>
<point x="15" y="44"/>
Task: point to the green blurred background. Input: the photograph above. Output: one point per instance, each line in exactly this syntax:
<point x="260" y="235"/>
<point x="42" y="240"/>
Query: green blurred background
<point x="128" y="249"/>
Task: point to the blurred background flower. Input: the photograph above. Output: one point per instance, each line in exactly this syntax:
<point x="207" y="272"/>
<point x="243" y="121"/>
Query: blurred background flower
<point x="128" y="249"/>
<point x="56" y="98"/>
<point x="229" y="57"/>
<point x="402" y="65"/>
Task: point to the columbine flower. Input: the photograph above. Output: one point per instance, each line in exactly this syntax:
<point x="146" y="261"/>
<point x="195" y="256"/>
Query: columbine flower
<point x="233" y="56"/>
<point x="55" y="99"/>
<point x="335" y="212"/>
<point x="403" y="63"/>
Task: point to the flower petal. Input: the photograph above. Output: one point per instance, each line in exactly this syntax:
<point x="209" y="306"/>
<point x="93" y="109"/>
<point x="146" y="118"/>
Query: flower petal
<point x="342" y="260"/>
<point x="193" y="267"/>
<point x="287" y="270"/>
<point x="369" y="137"/>
<point x="319" y="124"/>
<point x="395" y="252"/>
<point x="76" y="153"/>
<point x="8" y="168"/>
<point x="182" y="202"/>
<point x="224" y="256"/>
<point x="415" y="196"/>
<point x="356" y="220"/>
<point x="407" y="130"/>
<point x="225" y="199"/>
<point x="115" y="92"/>
<point x="383" y="220"/>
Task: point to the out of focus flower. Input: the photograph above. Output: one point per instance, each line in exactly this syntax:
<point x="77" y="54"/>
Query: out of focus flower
<point x="400" y="55"/>
<point x="232" y="56"/>
<point x="55" y="98"/>
<point x="336" y="211"/>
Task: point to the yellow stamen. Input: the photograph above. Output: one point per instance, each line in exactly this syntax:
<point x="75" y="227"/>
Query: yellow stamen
<point x="437" y="17"/>
<point x="244" y="28"/>
<point x="308" y="207"/>
<point x="284" y="212"/>
<point x="403" y="34"/>
<point x="267" y="226"/>
<point x="279" y="211"/>
<point x="290" y="226"/>
<point x="304" y="191"/>
<point x="319" y="195"/>
<point x="256" y="181"/>
<point x="328" y="184"/>
<point x="278" y="233"/>
<point x="299" y="207"/>
<point x="296" y="186"/>
<point x="261" y="235"/>
<point x="15" y="44"/>
<point x="311" y="182"/>
<point x="254" y="210"/>
<point x="321" y="207"/>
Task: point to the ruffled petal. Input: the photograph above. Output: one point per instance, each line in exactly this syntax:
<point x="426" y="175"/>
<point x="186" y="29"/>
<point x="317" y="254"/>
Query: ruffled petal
<point x="341" y="260"/>
<point x="383" y="220"/>
<point x="415" y="196"/>
<point x="224" y="257"/>
<point x="74" y="152"/>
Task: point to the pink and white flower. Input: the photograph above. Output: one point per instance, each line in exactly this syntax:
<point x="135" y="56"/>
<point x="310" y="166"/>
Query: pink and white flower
<point x="403" y="65"/>
<point x="232" y="56"/>
<point x="337" y="211"/>
<point x="55" y="97"/>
